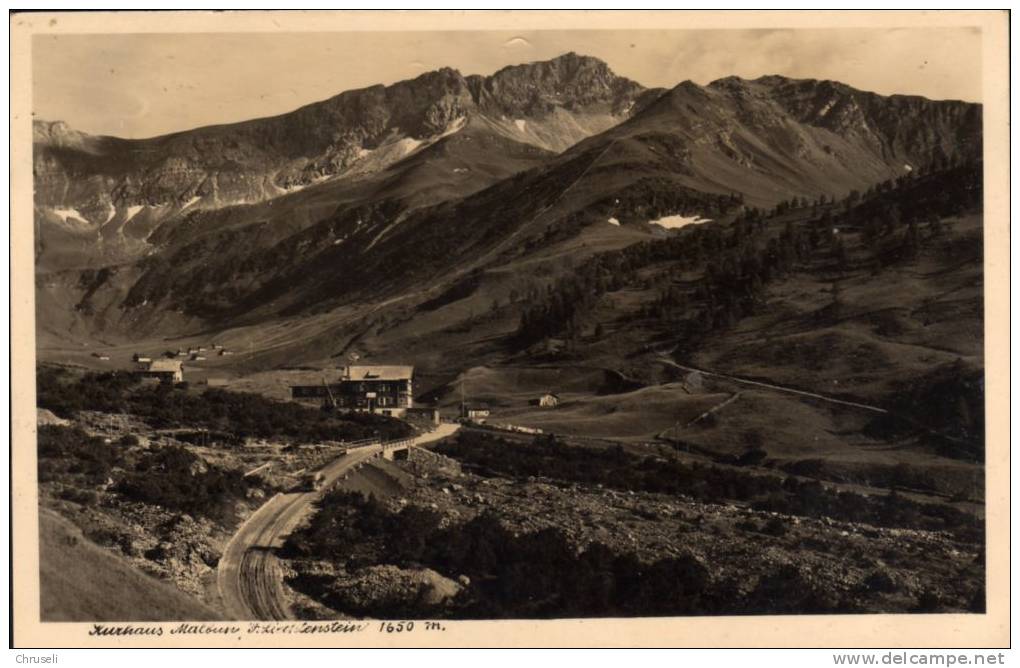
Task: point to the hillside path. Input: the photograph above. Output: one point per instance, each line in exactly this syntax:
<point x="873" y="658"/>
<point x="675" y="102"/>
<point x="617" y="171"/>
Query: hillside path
<point x="777" y="388"/>
<point x="821" y="397"/>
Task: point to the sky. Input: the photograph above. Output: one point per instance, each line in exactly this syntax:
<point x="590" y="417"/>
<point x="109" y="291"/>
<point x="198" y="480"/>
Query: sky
<point x="144" y="85"/>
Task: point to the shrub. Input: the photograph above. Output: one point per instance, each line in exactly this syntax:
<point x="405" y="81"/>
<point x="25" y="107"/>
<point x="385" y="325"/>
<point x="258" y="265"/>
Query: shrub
<point x="238" y="414"/>
<point x="752" y="457"/>
<point x="747" y="525"/>
<point x="80" y="496"/>
<point x="786" y="590"/>
<point x="178" y="480"/>
<point x="774" y="527"/>
<point x="879" y="581"/>
<point x="534" y="575"/>
<point x="61" y="392"/>
<point x="977" y="601"/>
<point x="70" y="450"/>
<point x="619" y="469"/>
<point x="928" y="601"/>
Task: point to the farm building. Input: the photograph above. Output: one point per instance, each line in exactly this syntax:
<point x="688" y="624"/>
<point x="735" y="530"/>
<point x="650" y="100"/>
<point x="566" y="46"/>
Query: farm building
<point x="384" y="389"/>
<point x="141" y="359"/>
<point x="547" y="400"/>
<point x="474" y="413"/>
<point x="168" y="371"/>
<point x="424" y="414"/>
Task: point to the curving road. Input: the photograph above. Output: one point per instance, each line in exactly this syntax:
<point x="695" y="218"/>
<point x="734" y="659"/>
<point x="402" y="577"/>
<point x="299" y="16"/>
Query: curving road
<point x="820" y="397"/>
<point x="248" y="575"/>
<point x="773" y="386"/>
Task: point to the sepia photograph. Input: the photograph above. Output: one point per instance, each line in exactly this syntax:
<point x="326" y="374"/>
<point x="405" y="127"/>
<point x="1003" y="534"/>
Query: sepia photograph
<point x="382" y="330"/>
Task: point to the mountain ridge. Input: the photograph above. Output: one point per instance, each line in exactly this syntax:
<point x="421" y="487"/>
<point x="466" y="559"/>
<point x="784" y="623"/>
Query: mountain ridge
<point x="110" y="194"/>
<point x="487" y="191"/>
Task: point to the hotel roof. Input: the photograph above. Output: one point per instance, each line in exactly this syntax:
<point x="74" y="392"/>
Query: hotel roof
<point x="380" y="372"/>
<point x="165" y="365"/>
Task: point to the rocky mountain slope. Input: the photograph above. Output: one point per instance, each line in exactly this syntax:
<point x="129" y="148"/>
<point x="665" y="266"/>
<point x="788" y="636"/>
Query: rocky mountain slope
<point x="110" y="192"/>
<point x="413" y="191"/>
<point x="773" y="138"/>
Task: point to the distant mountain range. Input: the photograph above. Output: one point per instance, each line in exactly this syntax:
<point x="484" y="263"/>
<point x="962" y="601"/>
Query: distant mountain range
<point x="116" y="188"/>
<point x="412" y="190"/>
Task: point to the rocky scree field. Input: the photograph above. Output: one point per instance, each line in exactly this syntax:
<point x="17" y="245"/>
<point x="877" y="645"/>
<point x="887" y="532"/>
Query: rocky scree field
<point x="156" y="475"/>
<point x="494" y="528"/>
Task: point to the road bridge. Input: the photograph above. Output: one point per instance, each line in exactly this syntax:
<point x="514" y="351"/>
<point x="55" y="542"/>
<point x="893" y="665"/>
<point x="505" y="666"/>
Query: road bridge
<point x="249" y="577"/>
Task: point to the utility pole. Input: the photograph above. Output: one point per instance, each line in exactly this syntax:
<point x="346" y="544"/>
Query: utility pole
<point x="676" y="435"/>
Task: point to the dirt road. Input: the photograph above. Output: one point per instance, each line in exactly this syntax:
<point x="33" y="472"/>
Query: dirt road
<point x="248" y="575"/>
<point x="827" y="399"/>
<point x="777" y="388"/>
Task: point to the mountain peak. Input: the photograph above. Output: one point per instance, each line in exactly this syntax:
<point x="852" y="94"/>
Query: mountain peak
<point x="569" y="81"/>
<point x="774" y="80"/>
<point x="548" y="105"/>
<point x="443" y="73"/>
<point x="50" y="127"/>
<point x="565" y="66"/>
<point x="56" y="133"/>
<point x="572" y="57"/>
<point x="771" y="80"/>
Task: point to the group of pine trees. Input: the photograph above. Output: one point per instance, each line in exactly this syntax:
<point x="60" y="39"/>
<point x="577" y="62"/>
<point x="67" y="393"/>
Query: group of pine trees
<point x="652" y="198"/>
<point x="728" y="266"/>
<point x="736" y="263"/>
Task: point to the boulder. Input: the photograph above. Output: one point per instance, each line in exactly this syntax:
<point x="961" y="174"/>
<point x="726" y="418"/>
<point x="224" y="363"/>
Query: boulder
<point x="45" y="416"/>
<point x="376" y="589"/>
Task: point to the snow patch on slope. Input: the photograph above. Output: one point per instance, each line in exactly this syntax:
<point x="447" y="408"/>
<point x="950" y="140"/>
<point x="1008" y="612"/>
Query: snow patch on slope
<point x="407" y="145"/>
<point x="132" y="211"/>
<point x="69" y="218"/>
<point x="454" y="127"/>
<point x="70" y="214"/>
<point x="399" y="219"/>
<point x="676" y="222"/>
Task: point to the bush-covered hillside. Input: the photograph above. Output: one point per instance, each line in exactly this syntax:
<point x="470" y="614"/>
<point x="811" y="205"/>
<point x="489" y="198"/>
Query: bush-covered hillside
<point x="616" y="468"/>
<point x="171" y="477"/>
<point x="238" y="414"/>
